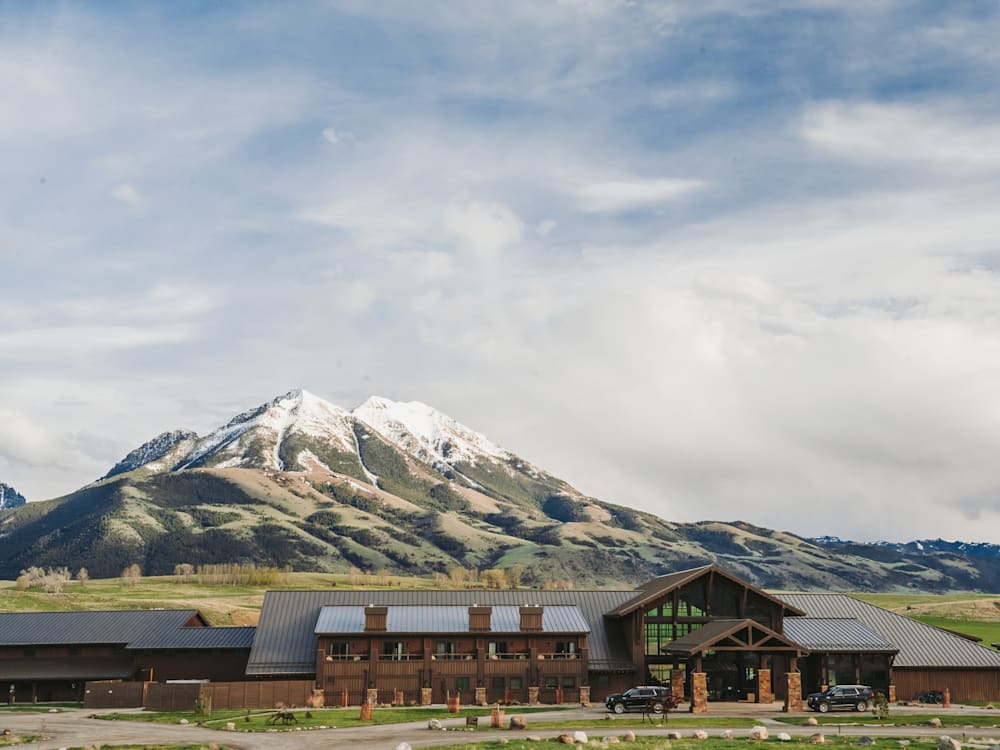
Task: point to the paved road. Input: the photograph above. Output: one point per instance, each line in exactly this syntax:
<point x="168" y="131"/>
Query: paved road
<point x="73" y="728"/>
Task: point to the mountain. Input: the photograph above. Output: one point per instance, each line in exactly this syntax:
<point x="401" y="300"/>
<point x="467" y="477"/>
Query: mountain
<point x="403" y="487"/>
<point x="10" y="498"/>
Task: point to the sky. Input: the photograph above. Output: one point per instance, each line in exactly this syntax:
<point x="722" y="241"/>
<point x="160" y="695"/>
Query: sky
<point x="713" y="260"/>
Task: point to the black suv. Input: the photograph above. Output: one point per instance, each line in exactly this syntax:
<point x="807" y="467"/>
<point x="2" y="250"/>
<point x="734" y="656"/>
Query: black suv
<point x="653" y="699"/>
<point x="856" y="697"/>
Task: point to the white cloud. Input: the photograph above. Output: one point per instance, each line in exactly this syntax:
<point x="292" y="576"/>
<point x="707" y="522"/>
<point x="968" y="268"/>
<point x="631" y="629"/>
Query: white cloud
<point x="545" y="228"/>
<point x="129" y="195"/>
<point x="632" y="194"/>
<point x="331" y="135"/>
<point x="482" y="227"/>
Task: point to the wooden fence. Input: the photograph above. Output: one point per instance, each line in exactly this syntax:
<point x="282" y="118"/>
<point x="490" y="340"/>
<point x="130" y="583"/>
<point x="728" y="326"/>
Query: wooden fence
<point x="165" y="696"/>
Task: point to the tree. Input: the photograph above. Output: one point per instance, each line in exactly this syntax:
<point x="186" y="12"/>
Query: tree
<point x="131" y="575"/>
<point x="83" y="575"/>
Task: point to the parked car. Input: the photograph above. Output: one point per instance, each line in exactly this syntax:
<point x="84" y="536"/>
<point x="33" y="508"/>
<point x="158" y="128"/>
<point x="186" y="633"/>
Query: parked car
<point x="642" y="698"/>
<point x="855" y="697"/>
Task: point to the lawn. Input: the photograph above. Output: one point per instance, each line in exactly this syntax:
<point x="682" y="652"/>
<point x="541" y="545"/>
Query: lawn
<point x="37" y="707"/>
<point x="948" y="719"/>
<point x="17" y="740"/>
<point x="636" y="721"/>
<point x="256" y="721"/>
<point x="988" y="632"/>
<point x="688" y="743"/>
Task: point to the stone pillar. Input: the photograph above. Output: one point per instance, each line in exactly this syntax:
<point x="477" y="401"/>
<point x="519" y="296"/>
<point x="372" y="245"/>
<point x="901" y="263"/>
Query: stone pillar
<point x="533" y="696"/>
<point x="480" y="698"/>
<point x="699" y="693"/>
<point x="585" y="696"/>
<point x="793" y="695"/>
<point x="892" y="693"/>
<point x="764" y="692"/>
<point x="677" y="683"/>
<point x="371" y="696"/>
<point x="425" y="696"/>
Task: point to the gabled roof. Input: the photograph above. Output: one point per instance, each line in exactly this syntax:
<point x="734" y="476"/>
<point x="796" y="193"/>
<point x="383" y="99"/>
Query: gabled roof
<point x="659" y="587"/>
<point x="732" y="635"/>
<point x="416" y="618"/>
<point x="836" y="634"/>
<point x="286" y="642"/>
<point x="82" y="628"/>
<point x="919" y="645"/>
<point x="195" y="638"/>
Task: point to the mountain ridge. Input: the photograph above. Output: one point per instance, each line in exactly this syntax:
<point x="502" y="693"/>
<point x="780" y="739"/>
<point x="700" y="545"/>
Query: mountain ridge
<point x="404" y="487"/>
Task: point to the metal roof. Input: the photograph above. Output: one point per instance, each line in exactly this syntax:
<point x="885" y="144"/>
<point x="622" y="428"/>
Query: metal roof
<point x="89" y="668"/>
<point x="79" y="628"/>
<point x="285" y="642"/>
<point x="711" y="633"/>
<point x="919" y="645"/>
<point x="416" y="618"/>
<point x="832" y="634"/>
<point x="196" y="638"/>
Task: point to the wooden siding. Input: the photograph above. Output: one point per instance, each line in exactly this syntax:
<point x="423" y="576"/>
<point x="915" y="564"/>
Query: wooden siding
<point x="963" y="684"/>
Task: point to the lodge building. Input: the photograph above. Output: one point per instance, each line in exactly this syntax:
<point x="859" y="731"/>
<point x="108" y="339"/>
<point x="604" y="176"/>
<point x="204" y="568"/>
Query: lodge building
<point x="705" y="632"/>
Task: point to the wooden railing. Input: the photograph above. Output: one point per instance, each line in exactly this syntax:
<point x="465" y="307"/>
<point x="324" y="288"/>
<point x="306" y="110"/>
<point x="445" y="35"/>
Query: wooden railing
<point x="400" y="657"/>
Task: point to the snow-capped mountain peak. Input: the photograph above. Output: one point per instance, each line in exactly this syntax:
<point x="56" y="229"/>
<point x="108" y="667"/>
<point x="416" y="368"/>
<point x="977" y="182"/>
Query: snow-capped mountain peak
<point x="428" y="434"/>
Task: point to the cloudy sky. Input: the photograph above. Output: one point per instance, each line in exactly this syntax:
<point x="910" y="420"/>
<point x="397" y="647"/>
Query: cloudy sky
<point x="714" y="260"/>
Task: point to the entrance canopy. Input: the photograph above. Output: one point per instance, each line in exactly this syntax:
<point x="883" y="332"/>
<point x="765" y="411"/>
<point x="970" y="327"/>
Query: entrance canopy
<point x="732" y="635"/>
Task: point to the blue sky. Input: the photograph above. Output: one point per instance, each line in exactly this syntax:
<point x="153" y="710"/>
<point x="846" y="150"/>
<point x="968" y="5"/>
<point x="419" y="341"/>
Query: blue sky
<point x="715" y="260"/>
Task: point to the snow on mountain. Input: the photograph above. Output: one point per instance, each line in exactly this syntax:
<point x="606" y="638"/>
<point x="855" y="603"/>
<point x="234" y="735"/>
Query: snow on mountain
<point x="149" y="453"/>
<point x="9" y="497"/>
<point x="427" y="434"/>
<point x="255" y="437"/>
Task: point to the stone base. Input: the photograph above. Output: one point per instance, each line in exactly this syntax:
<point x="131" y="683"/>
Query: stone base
<point x="892" y="694"/>
<point x="371" y="696"/>
<point x="793" y="692"/>
<point x="677" y="683"/>
<point x="480" y="698"/>
<point x="425" y="696"/>
<point x="699" y="693"/>
<point x="764" y="692"/>
<point x="585" y="696"/>
<point x="532" y="696"/>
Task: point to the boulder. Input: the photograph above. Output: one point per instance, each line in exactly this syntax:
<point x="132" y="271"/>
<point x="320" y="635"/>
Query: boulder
<point x="947" y="743"/>
<point x="701" y="734"/>
<point x="403" y="746"/>
<point x="580" y="737"/>
<point x="784" y="737"/>
<point x="183" y="721"/>
<point x="230" y="726"/>
<point x="904" y="743"/>
<point x="612" y="740"/>
<point x="566" y="739"/>
<point x="726" y="734"/>
<point x="434" y="724"/>
<point x="817" y="739"/>
<point x="758" y="733"/>
<point x="534" y="738"/>
<point x="504" y="740"/>
<point x="866" y="741"/>
<point x="812" y="722"/>
<point x="935" y="722"/>
<point x="518" y="722"/>
<point x="629" y="736"/>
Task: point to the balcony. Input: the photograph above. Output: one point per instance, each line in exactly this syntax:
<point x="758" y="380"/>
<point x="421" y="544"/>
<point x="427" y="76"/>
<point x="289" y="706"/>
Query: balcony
<point x="561" y="655"/>
<point x="452" y="657"/>
<point x="400" y="657"/>
<point x="346" y="657"/>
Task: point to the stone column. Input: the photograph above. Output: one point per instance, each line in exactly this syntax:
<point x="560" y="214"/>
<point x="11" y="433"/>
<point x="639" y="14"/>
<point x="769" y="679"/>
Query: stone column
<point x="371" y="696"/>
<point x="793" y="696"/>
<point x="533" y="696"/>
<point x="480" y="698"/>
<point x="892" y="693"/>
<point x="699" y="693"/>
<point x="585" y="695"/>
<point x="764" y="692"/>
<point x="677" y="683"/>
<point x="425" y="696"/>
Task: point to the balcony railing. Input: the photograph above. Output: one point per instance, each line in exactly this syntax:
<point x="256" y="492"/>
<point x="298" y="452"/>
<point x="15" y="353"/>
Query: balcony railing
<point x="400" y="657"/>
<point x="562" y="655"/>
<point x="347" y="657"/>
<point x="511" y="655"/>
<point x="452" y="657"/>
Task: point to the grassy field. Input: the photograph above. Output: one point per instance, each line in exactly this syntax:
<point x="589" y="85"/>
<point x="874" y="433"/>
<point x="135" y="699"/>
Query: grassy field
<point x="987" y="632"/>
<point x="948" y="719"/>
<point x="687" y="743"/>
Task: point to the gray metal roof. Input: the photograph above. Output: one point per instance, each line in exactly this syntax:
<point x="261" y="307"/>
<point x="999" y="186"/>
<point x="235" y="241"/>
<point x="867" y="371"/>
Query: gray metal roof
<point x="416" y="618"/>
<point x="195" y="638"/>
<point x="919" y="645"/>
<point x="78" y="628"/>
<point x="285" y="642"/>
<point x="832" y="634"/>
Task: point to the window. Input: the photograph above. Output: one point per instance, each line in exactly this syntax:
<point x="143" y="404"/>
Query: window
<point x="446" y="648"/>
<point x="337" y="648"/>
<point x="551" y="683"/>
<point x="497" y="683"/>
<point x="566" y="649"/>
<point x="516" y="683"/>
<point x="393" y="649"/>
<point x="461" y="683"/>
<point x="569" y="682"/>
<point x="496" y="647"/>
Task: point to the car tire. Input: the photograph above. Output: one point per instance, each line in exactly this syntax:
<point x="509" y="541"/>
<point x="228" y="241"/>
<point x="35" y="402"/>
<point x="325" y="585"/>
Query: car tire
<point x="658" y="708"/>
<point x="619" y="708"/>
<point x="823" y="707"/>
<point x="862" y="706"/>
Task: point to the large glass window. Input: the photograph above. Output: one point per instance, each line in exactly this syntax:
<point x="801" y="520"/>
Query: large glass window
<point x="338" y="648"/>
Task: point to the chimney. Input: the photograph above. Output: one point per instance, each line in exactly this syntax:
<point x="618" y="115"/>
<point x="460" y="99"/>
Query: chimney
<point x="479" y="618"/>
<point x="531" y="617"/>
<point x="375" y="618"/>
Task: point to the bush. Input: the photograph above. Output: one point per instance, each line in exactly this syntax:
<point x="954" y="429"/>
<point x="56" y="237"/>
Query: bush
<point x="880" y="706"/>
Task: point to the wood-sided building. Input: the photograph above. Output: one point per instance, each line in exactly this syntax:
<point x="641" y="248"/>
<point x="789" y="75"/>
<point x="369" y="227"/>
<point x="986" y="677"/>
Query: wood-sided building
<point x="50" y="656"/>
